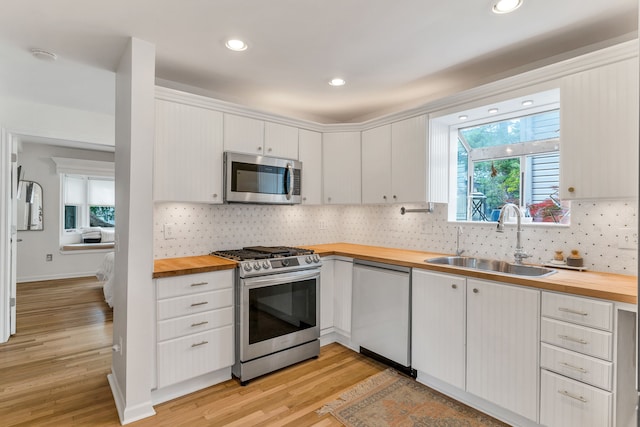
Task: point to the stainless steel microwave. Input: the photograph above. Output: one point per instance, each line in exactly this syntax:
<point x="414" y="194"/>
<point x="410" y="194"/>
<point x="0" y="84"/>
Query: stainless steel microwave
<point x="261" y="179"/>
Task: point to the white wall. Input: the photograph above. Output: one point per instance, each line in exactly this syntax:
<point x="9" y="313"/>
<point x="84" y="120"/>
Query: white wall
<point x="200" y="229"/>
<point x="31" y="258"/>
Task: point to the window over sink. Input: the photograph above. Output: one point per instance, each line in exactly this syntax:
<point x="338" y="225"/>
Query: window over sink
<point x="507" y="152"/>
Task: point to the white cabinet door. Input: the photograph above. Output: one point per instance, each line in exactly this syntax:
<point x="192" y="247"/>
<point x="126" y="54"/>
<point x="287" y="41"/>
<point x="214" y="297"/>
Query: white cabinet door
<point x="341" y="167"/>
<point x="243" y="135"/>
<point x="326" y="294"/>
<point x="310" y="154"/>
<point x="376" y="165"/>
<point x="502" y="345"/>
<point x="409" y="165"/>
<point x="343" y="279"/>
<point x="188" y="154"/>
<point x="438" y="326"/>
<point x="599" y="132"/>
<point x="280" y="141"/>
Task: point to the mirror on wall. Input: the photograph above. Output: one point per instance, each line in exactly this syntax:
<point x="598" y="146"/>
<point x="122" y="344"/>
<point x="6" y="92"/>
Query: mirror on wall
<point x="29" y="206"/>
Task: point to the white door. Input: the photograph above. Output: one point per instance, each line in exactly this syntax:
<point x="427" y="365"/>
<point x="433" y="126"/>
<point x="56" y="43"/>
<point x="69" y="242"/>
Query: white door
<point x="5" y="235"/>
<point x="14" y="235"/>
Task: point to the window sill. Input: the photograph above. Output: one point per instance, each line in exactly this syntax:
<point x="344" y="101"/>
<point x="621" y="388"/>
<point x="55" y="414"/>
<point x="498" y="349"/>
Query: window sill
<point x="87" y="247"/>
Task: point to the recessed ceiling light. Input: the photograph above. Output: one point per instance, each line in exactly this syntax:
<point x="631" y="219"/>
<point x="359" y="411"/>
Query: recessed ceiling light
<point x="493" y="110"/>
<point x="527" y="102"/>
<point x="506" y="6"/>
<point x="337" y="81"/>
<point x="236" y="45"/>
<point x="44" y="55"/>
<point x="463" y="117"/>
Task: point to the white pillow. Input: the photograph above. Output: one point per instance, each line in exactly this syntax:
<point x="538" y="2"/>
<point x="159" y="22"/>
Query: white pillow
<point x="108" y="234"/>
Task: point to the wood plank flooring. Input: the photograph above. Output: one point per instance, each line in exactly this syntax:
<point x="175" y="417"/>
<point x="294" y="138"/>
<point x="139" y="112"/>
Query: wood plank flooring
<point x="53" y="372"/>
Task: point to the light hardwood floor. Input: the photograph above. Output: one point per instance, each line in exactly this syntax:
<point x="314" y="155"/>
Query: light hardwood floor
<point x="53" y="372"/>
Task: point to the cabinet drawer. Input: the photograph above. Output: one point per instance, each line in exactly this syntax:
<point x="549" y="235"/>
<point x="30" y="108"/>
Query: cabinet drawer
<point x="577" y="338"/>
<point x="194" y="355"/>
<point x="185" y="325"/>
<point x="568" y="403"/>
<point x="582" y="311"/>
<point x="194" y="283"/>
<point x="197" y="303"/>
<point x="583" y="368"/>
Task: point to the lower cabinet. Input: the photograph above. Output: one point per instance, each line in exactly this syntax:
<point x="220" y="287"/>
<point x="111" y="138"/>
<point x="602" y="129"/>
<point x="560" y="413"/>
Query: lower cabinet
<point x="479" y="336"/>
<point x="194" y="326"/>
<point x="343" y="284"/>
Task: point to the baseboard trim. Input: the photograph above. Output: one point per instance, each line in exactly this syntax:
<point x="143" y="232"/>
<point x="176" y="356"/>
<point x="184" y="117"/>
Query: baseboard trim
<point x="55" y="276"/>
<point x="126" y="414"/>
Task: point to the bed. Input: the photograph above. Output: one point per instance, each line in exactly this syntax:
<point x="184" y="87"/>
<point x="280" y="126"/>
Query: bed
<point x="105" y="274"/>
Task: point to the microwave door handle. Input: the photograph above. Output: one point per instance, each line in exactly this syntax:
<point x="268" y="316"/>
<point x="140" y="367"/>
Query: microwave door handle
<point x="289" y="180"/>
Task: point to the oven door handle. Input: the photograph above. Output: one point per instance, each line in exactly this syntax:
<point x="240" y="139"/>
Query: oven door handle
<point x="276" y="279"/>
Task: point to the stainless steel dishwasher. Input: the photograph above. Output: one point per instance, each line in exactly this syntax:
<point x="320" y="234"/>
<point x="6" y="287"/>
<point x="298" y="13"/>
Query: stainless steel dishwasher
<point x="381" y="315"/>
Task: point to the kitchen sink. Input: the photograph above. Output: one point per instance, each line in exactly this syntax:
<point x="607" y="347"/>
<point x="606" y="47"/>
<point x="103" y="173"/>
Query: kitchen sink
<point x="492" y="265"/>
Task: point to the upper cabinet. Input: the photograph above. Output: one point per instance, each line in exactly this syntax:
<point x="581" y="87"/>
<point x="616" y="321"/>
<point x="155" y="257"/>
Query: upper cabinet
<point x="394" y="162"/>
<point x="599" y="132"/>
<point x="280" y="141"/>
<point x="252" y="136"/>
<point x="310" y="154"/>
<point x="243" y="135"/>
<point x="376" y="165"/>
<point x="187" y="154"/>
<point x="341" y="168"/>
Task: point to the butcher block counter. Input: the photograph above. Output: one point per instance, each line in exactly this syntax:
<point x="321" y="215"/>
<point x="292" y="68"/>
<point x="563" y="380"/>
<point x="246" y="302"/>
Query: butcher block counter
<point x="614" y="287"/>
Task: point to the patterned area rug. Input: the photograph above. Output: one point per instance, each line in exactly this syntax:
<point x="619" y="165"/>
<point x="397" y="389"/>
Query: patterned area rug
<point x="391" y="399"/>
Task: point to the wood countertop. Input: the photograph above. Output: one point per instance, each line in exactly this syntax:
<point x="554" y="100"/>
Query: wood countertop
<point x="614" y="287"/>
<point x="169" y="267"/>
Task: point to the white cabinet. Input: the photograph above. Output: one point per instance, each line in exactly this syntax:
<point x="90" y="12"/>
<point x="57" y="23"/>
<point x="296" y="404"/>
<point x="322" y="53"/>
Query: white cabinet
<point x="409" y="163"/>
<point x="502" y="345"/>
<point x="599" y="132"/>
<point x="342" y="291"/>
<point x="326" y="295"/>
<point x="376" y="165"/>
<point x="243" y="134"/>
<point x="252" y="136"/>
<point x="194" y="326"/>
<point x="394" y="162"/>
<point x="280" y="141"/>
<point x="310" y="154"/>
<point x="576" y="361"/>
<point x="438" y="326"/>
<point x="341" y="168"/>
<point x="187" y="154"/>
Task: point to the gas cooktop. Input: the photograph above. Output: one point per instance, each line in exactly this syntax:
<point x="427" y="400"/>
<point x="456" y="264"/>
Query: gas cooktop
<point x="262" y="252"/>
<point x="261" y="260"/>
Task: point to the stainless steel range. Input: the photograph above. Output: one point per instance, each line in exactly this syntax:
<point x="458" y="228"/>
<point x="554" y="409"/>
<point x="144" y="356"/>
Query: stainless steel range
<point x="277" y="308"/>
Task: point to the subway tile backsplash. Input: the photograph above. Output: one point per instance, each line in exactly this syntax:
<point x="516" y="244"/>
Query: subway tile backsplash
<point x="199" y="229"/>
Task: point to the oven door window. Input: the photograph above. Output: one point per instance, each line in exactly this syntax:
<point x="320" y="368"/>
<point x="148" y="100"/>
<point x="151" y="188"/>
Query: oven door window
<point x="282" y="309"/>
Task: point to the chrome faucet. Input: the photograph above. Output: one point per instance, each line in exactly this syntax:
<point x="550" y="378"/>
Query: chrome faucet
<point x="519" y="254"/>
<point x="458" y="233"/>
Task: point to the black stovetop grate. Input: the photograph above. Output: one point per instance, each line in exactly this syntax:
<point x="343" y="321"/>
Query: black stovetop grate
<point x="261" y="252"/>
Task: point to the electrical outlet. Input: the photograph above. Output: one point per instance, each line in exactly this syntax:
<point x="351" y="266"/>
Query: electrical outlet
<point x="627" y="238"/>
<point x="49" y="257"/>
<point x="169" y="231"/>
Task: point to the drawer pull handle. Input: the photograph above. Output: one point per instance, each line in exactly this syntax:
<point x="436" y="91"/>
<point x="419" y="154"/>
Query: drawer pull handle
<point x="572" y="339"/>
<point x="193" y="325"/>
<point x="573" y="396"/>
<point x="575" y="368"/>
<point x="570" y="311"/>
<point x="195" y="304"/>
<point x="198" y="344"/>
<point x="199" y="284"/>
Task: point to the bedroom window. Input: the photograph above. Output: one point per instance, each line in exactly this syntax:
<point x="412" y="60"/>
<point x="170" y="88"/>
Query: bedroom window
<point x="88" y="201"/>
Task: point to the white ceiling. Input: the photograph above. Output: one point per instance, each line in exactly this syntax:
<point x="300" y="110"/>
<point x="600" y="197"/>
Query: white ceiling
<point x="393" y="54"/>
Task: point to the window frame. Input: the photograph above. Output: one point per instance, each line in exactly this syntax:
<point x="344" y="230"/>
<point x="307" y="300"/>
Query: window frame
<point x="82" y="210"/>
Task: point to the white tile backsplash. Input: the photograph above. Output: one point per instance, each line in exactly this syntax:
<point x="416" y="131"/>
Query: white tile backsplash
<point x="200" y="229"/>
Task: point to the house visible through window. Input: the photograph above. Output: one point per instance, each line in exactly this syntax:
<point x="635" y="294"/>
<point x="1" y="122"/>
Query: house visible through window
<point x="88" y="202"/>
<point x="510" y="161"/>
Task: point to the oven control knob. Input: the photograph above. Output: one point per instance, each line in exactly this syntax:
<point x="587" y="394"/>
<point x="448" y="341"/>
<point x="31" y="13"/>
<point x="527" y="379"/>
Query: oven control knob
<point x="285" y="262"/>
<point x="316" y="258"/>
<point x="308" y="259"/>
<point x="265" y="265"/>
<point x="247" y="267"/>
<point x="256" y="266"/>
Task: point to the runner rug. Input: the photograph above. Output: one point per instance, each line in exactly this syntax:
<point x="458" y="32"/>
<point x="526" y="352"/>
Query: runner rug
<point x="392" y="399"/>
